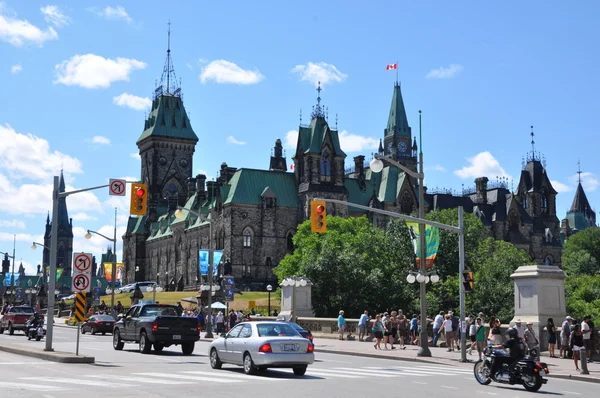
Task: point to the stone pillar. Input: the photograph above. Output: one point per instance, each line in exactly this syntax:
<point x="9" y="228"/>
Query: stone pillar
<point x="296" y="294"/>
<point x="481" y="190"/>
<point x="539" y="295"/>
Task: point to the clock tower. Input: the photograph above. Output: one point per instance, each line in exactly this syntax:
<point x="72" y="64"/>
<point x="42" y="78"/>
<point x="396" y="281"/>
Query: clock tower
<point x="398" y="135"/>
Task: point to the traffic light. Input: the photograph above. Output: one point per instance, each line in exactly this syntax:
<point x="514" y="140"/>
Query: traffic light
<point x="318" y="216"/>
<point x="468" y="281"/>
<point x="139" y="199"/>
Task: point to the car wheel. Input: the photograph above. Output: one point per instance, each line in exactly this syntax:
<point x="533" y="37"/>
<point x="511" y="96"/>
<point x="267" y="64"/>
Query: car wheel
<point x="117" y="342"/>
<point x="93" y="330"/>
<point x="1" y="330"/>
<point x="215" y="361"/>
<point x="145" y="345"/>
<point x="188" y="348"/>
<point x="103" y="333"/>
<point x="249" y="367"/>
<point x="38" y="338"/>
<point x="158" y="347"/>
<point x="299" y="370"/>
<point x="11" y="331"/>
<point x="82" y="330"/>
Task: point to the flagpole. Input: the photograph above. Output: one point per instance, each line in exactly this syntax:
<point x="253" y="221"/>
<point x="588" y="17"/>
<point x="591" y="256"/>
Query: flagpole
<point x="396" y="72"/>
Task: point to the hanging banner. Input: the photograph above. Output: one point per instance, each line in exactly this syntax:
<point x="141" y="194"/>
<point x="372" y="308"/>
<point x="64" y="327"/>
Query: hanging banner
<point x="7" y="279"/>
<point x="108" y="271"/>
<point x="59" y="272"/>
<point x="203" y="256"/>
<point x="432" y="243"/>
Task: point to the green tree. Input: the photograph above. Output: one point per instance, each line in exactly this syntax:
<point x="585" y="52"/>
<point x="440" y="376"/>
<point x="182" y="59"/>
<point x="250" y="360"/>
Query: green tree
<point x="493" y="262"/>
<point x="581" y="255"/>
<point x="583" y="296"/>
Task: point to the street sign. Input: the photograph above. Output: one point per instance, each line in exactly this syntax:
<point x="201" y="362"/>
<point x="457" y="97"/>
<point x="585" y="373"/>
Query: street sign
<point x="116" y="187"/>
<point x="228" y="299"/>
<point x="251" y="303"/>
<point x="229" y="281"/>
<point x="79" y="307"/>
<point x="82" y="263"/>
<point x="229" y="292"/>
<point x="81" y="283"/>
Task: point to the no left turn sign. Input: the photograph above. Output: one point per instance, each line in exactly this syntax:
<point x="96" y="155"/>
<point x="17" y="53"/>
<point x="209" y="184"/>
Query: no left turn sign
<point x="116" y="187"/>
<point x="82" y="262"/>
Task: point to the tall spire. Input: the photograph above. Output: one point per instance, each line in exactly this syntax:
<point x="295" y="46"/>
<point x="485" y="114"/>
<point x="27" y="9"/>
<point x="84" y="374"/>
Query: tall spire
<point x="397" y="120"/>
<point x="579" y="171"/>
<point x="533" y="155"/>
<point x="168" y="80"/>
<point x="318" y="110"/>
<point x="63" y="214"/>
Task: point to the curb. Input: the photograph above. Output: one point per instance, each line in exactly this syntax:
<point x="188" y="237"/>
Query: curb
<point x="574" y="378"/>
<point x="54" y="356"/>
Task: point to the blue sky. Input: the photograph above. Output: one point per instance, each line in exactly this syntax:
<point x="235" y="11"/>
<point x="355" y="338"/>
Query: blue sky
<point x="77" y="75"/>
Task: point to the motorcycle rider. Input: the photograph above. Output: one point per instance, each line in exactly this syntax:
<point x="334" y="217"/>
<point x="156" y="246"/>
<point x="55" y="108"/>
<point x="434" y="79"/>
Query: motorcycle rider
<point x="34" y="322"/>
<point x="516" y="350"/>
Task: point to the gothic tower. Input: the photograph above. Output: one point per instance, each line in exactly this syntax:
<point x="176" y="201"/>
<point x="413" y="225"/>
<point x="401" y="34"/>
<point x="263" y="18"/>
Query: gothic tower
<point x="167" y="145"/>
<point x="581" y="215"/>
<point x="278" y="160"/>
<point x="398" y="134"/>
<point x="319" y="163"/>
<point x="64" y="254"/>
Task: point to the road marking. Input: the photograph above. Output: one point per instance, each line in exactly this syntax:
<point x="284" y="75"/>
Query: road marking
<point x="357" y="372"/>
<point x="334" y="374"/>
<point x="363" y="371"/>
<point x="419" y="382"/>
<point x="94" y="349"/>
<point x="77" y="381"/>
<point x="415" y="371"/>
<point x="31" y="387"/>
<point x="109" y="378"/>
<point x="168" y="359"/>
<point x="230" y="374"/>
<point x="570" y="392"/>
<point x="216" y="379"/>
<point x="331" y="360"/>
<point x="22" y="363"/>
<point x="450" y="387"/>
<point x="486" y="392"/>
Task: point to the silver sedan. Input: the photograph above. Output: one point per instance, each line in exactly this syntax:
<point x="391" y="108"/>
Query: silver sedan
<point x="262" y="345"/>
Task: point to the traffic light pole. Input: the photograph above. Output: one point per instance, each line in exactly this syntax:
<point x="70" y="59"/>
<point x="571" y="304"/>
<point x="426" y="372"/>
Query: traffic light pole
<point x="460" y="230"/>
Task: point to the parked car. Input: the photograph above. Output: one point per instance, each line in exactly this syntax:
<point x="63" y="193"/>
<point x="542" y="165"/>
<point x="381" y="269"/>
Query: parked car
<point x="98" y="324"/>
<point x="131" y="287"/>
<point x="156" y="324"/>
<point x="16" y="318"/>
<point x="262" y="345"/>
<point x="303" y="332"/>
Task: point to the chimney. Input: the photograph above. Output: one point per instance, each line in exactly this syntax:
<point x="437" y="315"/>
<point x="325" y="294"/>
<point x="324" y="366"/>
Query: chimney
<point x="481" y="190"/>
<point x="200" y="182"/>
<point x="359" y="167"/>
<point x="191" y="187"/>
<point x="211" y="189"/>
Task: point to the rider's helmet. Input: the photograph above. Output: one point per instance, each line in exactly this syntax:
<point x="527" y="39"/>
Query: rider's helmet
<point x="513" y="333"/>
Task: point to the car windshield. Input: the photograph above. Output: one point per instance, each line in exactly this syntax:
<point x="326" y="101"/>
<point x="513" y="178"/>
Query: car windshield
<point x="104" y="318"/>
<point x="276" y="329"/>
<point x="156" y="310"/>
<point x="22" y="310"/>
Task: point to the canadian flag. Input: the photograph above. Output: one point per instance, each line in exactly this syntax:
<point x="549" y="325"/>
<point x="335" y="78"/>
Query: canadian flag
<point x="291" y="167"/>
<point x="391" y="66"/>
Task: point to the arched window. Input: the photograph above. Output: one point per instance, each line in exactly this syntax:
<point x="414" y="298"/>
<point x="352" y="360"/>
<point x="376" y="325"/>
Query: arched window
<point x="406" y="205"/>
<point x="325" y="164"/>
<point x="524" y="201"/>
<point x="289" y="242"/>
<point x="548" y="260"/>
<point x="60" y="260"/>
<point x="247" y="237"/>
<point x="544" y="201"/>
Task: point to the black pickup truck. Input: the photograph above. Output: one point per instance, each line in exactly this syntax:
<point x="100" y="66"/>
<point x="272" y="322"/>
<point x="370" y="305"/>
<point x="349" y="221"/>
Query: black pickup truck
<point x="156" y="324"/>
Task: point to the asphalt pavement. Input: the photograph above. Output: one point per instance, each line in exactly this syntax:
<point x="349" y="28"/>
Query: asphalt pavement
<point x="128" y="373"/>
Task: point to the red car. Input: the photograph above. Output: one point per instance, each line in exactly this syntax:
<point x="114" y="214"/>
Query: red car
<point x="98" y="324"/>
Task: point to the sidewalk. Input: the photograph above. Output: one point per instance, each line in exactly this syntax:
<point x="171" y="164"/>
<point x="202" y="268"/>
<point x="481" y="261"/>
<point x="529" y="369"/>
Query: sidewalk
<point x="560" y="368"/>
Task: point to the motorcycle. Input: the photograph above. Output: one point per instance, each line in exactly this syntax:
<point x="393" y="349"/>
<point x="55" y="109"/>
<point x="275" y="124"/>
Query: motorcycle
<point x="526" y="371"/>
<point x="34" y="332"/>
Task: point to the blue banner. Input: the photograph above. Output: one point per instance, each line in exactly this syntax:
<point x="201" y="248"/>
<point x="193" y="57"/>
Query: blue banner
<point x="203" y="256"/>
<point x="7" y="279"/>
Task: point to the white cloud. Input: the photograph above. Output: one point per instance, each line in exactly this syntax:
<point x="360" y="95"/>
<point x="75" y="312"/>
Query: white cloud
<point x="98" y="139"/>
<point x="135" y="155"/>
<point x="225" y="72"/>
<point x="232" y="140"/>
<point x="53" y="15"/>
<point x="445" y="72"/>
<point x="589" y="181"/>
<point x="114" y="13"/>
<point x="132" y="101"/>
<point x="19" y="32"/>
<point x="481" y="165"/>
<point x="9" y="237"/>
<point x="319" y="72"/>
<point x="437" y="167"/>
<point x="12" y="224"/>
<point x="82" y="217"/>
<point x="16" y="68"/>
<point x="560" y="187"/>
<point x="356" y="143"/>
<point x="28" y="156"/>
<point x="291" y="139"/>
<point x="94" y="71"/>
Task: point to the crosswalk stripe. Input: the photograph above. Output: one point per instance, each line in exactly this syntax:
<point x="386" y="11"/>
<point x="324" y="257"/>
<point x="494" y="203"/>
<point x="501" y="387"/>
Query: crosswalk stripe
<point x="216" y="379"/>
<point x="333" y="374"/>
<point x="31" y="387"/>
<point x="82" y="383"/>
<point x="379" y="372"/>
<point x="109" y="378"/>
<point x="405" y="369"/>
<point x="357" y="372"/>
<point x="230" y="374"/>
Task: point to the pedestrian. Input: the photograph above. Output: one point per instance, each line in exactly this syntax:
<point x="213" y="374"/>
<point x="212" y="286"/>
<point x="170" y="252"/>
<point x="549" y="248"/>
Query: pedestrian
<point x="576" y="344"/>
<point x="414" y="326"/>
<point x="551" y="330"/>
<point x="531" y="341"/>
<point x="495" y="332"/>
<point x="402" y="326"/>
<point x="341" y="324"/>
<point x="586" y="330"/>
<point x="447" y="326"/>
<point x="362" y="325"/>
<point x="480" y="337"/>
<point x="472" y="333"/>
<point x="377" y="330"/>
<point x="520" y="329"/>
<point x="565" y="334"/>
<point x="437" y="324"/>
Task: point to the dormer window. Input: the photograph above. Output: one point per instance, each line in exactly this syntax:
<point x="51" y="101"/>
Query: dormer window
<point x="325" y="164"/>
<point x="247" y="235"/>
<point x="544" y="201"/>
<point x="525" y="202"/>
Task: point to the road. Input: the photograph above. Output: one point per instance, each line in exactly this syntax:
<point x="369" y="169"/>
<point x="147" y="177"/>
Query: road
<point x="130" y="374"/>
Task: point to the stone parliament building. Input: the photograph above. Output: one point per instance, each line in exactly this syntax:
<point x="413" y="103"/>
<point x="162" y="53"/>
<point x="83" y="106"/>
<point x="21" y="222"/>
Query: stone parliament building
<point x="253" y="214"/>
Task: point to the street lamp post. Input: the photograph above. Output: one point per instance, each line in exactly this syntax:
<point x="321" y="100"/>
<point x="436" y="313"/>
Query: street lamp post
<point x="88" y="235"/>
<point x="180" y="213"/>
<point x="269" y="288"/>
<point x="377" y="166"/>
<point x="12" y="278"/>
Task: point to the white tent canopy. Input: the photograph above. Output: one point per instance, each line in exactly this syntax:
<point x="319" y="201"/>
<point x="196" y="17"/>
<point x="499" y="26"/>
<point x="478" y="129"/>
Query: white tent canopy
<point x="217" y="306"/>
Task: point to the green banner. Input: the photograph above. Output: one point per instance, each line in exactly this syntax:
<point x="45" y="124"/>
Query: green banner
<point x="432" y="243"/>
<point x="59" y="272"/>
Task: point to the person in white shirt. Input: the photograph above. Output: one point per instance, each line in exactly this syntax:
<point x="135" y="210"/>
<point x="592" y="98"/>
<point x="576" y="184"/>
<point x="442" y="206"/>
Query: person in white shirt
<point x="520" y="329"/>
<point x="362" y="326"/>
<point x="437" y="324"/>
<point x="565" y="333"/>
<point x="587" y="336"/>
<point x="448" y="331"/>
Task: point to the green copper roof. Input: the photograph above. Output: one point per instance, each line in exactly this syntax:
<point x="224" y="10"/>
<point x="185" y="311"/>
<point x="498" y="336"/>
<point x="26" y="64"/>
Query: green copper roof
<point x="136" y="225"/>
<point x="168" y="118"/>
<point x="357" y="195"/>
<point x="397" y="121"/>
<point x="247" y="185"/>
<point x="313" y="137"/>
